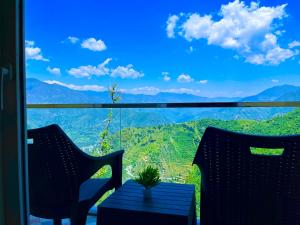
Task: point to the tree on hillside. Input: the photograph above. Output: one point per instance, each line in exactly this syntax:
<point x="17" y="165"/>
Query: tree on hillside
<point x="105" y="139"/>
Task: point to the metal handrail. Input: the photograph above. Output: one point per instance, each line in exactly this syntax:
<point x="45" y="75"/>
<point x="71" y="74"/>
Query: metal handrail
<point x="170" y="105"/>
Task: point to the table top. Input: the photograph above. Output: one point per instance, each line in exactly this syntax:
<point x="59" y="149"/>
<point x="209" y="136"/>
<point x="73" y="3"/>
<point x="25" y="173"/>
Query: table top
<point x="167" y="198"/>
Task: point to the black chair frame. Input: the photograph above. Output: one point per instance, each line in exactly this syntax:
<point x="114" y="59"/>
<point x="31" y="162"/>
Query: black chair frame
<point x="60" y="183"/>
<point x="242" y="188"/>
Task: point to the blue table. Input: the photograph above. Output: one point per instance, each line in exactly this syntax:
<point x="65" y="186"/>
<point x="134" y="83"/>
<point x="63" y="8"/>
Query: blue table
<point x="171" y="204"/>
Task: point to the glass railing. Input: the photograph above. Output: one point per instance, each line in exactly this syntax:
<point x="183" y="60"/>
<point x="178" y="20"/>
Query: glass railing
<point x="83" y="126"/>
<point x="163" y="135"/>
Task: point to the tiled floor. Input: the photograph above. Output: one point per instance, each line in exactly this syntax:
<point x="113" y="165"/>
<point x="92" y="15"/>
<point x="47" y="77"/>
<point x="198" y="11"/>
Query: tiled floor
<point x="37" y="221"/>
<point x="91" y="221"/>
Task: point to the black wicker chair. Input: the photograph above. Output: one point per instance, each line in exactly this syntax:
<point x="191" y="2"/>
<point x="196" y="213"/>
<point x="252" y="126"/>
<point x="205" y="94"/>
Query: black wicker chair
<point x="241" y="188"/>
<point x="60" y="183"/>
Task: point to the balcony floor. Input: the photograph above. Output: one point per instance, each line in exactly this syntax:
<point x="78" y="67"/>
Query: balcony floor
<point x="90" y="221"/>
<point x="38" y="221"/>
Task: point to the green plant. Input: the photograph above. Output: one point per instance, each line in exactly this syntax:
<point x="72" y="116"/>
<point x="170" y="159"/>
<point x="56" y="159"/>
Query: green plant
<point x="105" y="135"/>
<point x="148" y="177"/>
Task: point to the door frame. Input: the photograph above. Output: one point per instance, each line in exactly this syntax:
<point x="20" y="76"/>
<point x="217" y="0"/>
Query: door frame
<point x="13" y="159"/>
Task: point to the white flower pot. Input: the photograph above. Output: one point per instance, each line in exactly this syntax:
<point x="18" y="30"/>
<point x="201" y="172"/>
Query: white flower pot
<point x="147" y="194"/>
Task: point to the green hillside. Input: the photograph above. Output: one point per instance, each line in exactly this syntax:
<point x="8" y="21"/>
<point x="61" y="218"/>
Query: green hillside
<point x="172" y="147"/>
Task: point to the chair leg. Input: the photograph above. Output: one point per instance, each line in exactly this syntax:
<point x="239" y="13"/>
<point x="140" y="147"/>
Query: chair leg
<point x="57" y="222"/>
<point x="79" y="218"/>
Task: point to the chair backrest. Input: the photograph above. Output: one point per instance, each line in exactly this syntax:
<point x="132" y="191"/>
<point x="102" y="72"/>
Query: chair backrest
<point x="241" y="188"/>
<point x="53" y="163"/>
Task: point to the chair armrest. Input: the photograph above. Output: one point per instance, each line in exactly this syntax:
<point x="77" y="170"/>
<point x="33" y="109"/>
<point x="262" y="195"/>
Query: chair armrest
<point x="115" y="161"/>
<point x="116" y="167"/>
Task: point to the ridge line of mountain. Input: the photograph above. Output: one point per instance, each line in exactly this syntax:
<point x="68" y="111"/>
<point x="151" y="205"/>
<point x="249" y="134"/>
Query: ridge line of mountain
<point x="41" y="92"/>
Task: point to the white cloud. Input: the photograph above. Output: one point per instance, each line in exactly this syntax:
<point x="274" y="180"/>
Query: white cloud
<point x="249" y="30"/>
<point x="269" y="42"/>
<point x="183" y="91"/>
<point x="277" y="55"/>
<point x="154" y="90"/>
<point x="257" y="59"/>
<point x="33" y="52"/>
<point x="237" y="25"/>
<point x="148" y="90"/>
<point x="54" y="70"/>
<point x="102" y="70"/>
<point x="93" y="44"/>
<point x="272" y="53"/>
<point x="141" y="90"/>
<point x="166" y="76"/>
<point x="197" y="27"/>
<point x="78" y="87"/>
<point x="294" y="44"/>
<point x="126" y="72"/>
<point x="184" y="78"/>
<point x="89" y="71"/>
<point x="237" y="57"/>
<point x="73" y="40"/>
<point x="203" y="81"/>
<point x="171" y="24"/>
<point x="274" y="81"/>
<point x="279" y="32"/>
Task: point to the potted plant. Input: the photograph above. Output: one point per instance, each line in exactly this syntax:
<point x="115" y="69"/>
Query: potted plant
<point x="148" y="177"/>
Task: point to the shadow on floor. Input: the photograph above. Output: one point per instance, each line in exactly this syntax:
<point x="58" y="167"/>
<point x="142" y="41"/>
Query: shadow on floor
<point x="90" y="221"/>
<point x="38" y="221"/>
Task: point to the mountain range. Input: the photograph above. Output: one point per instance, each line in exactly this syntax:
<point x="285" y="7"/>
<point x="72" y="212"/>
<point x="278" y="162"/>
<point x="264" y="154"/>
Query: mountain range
<point x="41" y="92"/>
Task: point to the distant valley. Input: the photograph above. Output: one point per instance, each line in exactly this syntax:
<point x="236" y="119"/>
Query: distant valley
<point x="87" y="123"/>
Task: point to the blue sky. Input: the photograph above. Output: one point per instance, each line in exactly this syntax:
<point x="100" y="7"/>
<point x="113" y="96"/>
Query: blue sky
<point x="203" y="47"/>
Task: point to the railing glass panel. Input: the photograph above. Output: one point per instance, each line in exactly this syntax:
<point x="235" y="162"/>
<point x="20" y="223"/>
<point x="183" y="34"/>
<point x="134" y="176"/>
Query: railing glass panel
<point x="164" y="137"/>
<point x="83" y="126"/>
